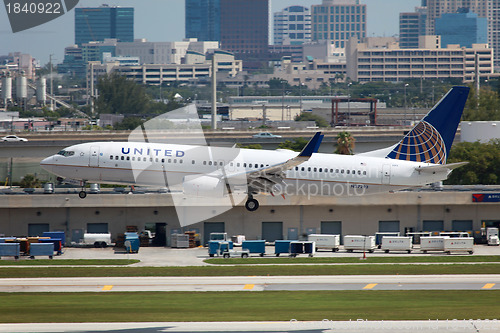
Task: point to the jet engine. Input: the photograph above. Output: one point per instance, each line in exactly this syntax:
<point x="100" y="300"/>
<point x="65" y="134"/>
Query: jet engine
<point x="203" y="186"/>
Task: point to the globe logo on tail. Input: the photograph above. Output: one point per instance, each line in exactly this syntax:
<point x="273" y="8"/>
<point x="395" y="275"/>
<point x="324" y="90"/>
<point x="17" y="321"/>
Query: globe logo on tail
<point x="422" y="144"/>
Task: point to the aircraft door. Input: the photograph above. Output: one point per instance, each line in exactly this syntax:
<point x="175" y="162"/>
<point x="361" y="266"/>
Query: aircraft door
<point x="94" y="156"/>
<point x="386" y="174"/>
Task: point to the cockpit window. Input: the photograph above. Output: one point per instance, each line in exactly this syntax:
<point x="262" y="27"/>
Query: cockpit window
<point x="66" y="153"/>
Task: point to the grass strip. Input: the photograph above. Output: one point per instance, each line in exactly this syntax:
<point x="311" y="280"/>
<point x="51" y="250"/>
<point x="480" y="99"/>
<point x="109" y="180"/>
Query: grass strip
<point x="271" y="270"/>
<point x="248" y="306"/>
<point x="346" y="260"/>
<point x="69" y="262"/>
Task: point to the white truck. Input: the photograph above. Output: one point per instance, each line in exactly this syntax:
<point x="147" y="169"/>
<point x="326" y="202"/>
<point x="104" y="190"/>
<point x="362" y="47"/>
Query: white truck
<point x="324" y="241"/>
<point x="396" y="243"/>
<point x="492" y="236"/>
<point x="460" y="244"/>
<point x="359" y="243"/>
<point x="97" y="240"/>
<point x="432" y="243"/>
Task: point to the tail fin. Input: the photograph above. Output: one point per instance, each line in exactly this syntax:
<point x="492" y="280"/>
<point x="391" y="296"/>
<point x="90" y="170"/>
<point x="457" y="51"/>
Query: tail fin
<point x="431" y="139"/>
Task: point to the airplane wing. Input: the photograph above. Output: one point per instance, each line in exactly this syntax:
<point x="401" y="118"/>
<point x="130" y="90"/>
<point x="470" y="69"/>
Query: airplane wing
<point x="264" y="178"/>
<point x="440" y="167"/>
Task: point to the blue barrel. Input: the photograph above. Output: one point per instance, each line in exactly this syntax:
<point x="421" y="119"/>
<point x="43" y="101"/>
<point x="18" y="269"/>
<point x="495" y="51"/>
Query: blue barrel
<point x="133" y="239"/>
<point x="255" y="246"/>
<point x="56" y="242"/>
<point x="281" y="246"/>
<point x="10" y="250"/>
<point x="56" y="234"/>
<point x="41" y="249"/>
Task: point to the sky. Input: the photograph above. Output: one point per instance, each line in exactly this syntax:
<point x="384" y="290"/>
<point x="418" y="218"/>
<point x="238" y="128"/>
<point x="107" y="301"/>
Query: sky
<point x="163" y="20"/>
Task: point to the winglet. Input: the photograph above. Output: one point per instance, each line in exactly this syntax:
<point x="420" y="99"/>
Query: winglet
<point x="312" y="146"/>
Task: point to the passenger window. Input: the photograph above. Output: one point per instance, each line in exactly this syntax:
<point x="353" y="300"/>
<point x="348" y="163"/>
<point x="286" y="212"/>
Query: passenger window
<point x="180" y="161"/>
<point x="150" y="159"/>
<point x="209" y="162"/>
<point x="353" y="172"/>
<point x="116" y="157"/>
<point x="320" y="169"/>
<point x="133" y="158"/>
<point x="348" y="171"/>
<point x="303" y="169"/>
<point x="123" y="158"/>
<point x="162" y="160"/>
<point x="204" y="162"/>
<point x="244" y="165"/>
<point x="238" y="165"/>
<point x="342" y="171"/>
<point x="359" y="172"/>
<point x="144" y="159"/>
<point x="262" y="165"/>
<point x="192" y="162"/>
<point x="337" y="171"/>
<point x="128" y="158"/>
<point x="296" y="168"/>
<point x="111" y="157"/>
<point x="364" y="173"/>
<point x="309" y="169"/>
<point x="157" y="160"/>
<point x="169" y="160"/>
<point x="331" y="170"/>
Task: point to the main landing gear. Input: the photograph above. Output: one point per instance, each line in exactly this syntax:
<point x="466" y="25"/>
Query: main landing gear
<point x="252" y="204"/>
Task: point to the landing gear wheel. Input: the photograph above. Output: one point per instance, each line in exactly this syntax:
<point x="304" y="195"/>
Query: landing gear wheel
<point x="82" y="194"/>
<point x="252" y="205"/>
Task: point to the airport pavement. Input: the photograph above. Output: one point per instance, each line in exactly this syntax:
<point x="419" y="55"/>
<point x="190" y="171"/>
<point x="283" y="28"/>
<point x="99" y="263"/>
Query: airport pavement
<point x="324" y="326"/>
<point x="253" y="283"/>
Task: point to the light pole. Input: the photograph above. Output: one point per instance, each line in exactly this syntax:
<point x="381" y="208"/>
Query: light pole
<point x="51" y="85"/>
<point x="283" y="100"/>
<point x="300" y="92"/>
<point x="348" y="103"/>
<point x="406" y="85"/>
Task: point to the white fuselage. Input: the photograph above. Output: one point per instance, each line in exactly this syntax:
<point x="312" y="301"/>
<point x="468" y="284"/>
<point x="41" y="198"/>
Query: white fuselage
<point x="158" y="164"/>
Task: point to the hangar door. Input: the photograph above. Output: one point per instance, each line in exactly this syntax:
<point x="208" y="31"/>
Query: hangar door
<point x="97" y="228"/>
<point x="209" y="227"/>
<point x="388" y="226"/>
<point x="430" y="225"/>
<point x="37" y="229"/>
<point x="461" y="225"/>
<point x="332" y="228"/>
<point x="272" y="231"/>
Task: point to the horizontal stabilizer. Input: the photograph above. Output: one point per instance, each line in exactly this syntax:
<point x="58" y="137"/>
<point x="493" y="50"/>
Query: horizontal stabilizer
<point x="440" y="167"/>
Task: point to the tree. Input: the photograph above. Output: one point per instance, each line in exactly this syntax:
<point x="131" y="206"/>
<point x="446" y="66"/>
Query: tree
<point x="483" y="167"/>
<point x="345" y="143"/>
<point x="30" y="181"/>
<point x="486" y="107"/>
<point x="320" y="121"/>
<point x="295" y="145"/>
<point x="119" y="95"/>
<point x="250" y="146"/>
<point x="129" y="123"/>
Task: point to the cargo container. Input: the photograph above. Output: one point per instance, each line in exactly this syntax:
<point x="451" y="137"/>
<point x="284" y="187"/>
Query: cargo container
<point x="255" y="246"/>
<point x="281" y="246"/>
<point x="328" y="242"/>
<point x="57" y="244"/>
<point x="42" y="249"/>
<point x="393" y="243"/>
<point x="180" y="240"/>
<point x="10" y="250"/>
<point x="462" y="244"/>
<point x="301" y="247"/>
<point x="132" y="242"/>
<point x="359" y="243"/>
<point x="432" y="243"/>
<point x="56" y="234"/>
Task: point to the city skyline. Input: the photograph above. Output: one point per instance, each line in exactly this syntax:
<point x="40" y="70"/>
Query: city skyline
<point x="165" y="22"/>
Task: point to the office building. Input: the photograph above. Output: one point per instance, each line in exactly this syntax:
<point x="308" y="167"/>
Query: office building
<point x="429" y="61"/>
<point x="292" y="26"/>
<point x="494" y="31"/>
<point x="245" y="26"/>
<point x="202" y="19"/>
<point x="411" y="26"/>
<point x="462" y="28"/>
<point x="100" y="23"/>
<point x="338" y="20"/>
<point x="436" y="8"/>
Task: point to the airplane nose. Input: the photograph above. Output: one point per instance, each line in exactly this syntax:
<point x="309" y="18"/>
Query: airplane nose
<point x="47" y="163"/>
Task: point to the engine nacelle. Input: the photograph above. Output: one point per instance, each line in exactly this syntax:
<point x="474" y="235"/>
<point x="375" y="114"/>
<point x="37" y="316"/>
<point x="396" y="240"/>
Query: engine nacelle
<point x="203" y="186"/>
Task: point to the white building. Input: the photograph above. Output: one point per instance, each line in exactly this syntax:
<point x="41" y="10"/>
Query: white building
<point x="292" y="26"/>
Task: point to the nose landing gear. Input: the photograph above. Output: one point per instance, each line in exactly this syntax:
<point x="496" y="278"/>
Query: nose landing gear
<point x="82" y="194"/>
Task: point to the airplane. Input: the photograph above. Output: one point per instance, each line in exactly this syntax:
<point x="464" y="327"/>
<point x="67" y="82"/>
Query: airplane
<point x="417" y="160"/>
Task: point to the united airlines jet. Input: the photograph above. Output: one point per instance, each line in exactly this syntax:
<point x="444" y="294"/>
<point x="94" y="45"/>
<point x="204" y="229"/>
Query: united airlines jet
<point x="418" y="159"/>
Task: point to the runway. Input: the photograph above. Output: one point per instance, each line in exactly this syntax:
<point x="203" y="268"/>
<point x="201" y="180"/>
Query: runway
<point x="253" y="283"/>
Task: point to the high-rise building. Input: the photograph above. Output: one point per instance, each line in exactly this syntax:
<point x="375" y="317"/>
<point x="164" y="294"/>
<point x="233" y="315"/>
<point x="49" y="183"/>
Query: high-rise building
<point x="244" y="26"/>
<point x="436" y="8"/>
<point x="338" y="20"/>
<point x="292" y="26"/>
<point x="203" y="19"/>
<point x="99" y="23"/>
<point x="494" y="31"/>
<point x="411" y="26"/>
<point x="462" y="28"/>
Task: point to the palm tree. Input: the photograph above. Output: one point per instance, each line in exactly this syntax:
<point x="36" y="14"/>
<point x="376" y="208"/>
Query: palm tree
<point x="345" y="143"/>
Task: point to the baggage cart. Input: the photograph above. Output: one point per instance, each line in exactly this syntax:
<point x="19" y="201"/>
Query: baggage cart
<point x="42" y="249"/>
<point x="10" y="250"/>
<point x="324" y="241"/>
<point x="462" y="244"/>
<point x="255" y="246"/>
<point x="432" y="243"/>
<point x="393" y="243"/>
<point x="281" y="246"/>
<point x="56" y="234"/>
<point x="57" y="244"/>
<point x="359" y="243"/>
